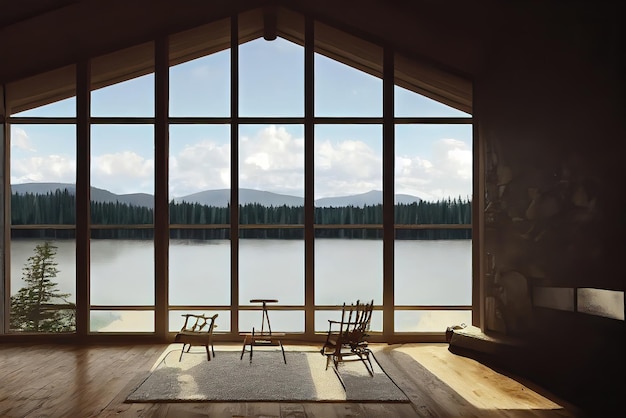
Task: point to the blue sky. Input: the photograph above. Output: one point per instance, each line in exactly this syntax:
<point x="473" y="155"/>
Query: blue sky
<point x="432" y="161"/>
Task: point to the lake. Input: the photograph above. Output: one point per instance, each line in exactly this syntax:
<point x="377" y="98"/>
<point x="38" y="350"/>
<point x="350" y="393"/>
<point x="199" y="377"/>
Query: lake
<point x="427" y="272"/>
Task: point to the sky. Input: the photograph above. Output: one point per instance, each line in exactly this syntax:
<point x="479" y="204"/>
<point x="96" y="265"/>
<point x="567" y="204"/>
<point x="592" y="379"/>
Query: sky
<point x="431" y="161"/>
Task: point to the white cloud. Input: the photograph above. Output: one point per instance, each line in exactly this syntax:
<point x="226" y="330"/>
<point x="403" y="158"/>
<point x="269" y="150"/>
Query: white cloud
<point x="201" y="166"/>
<point x="447" y="174"/>
<point x="346" y="167"/>
<point x="50" y="168"/>
<point x="123" y="172"/>
<point x="272" y="159"/>
<point x="20" y="139"/>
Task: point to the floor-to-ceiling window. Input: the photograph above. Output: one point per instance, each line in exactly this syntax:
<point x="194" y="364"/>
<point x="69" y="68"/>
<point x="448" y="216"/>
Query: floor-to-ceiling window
<point x="432" y="254"/>
<point x="248" y="160"/>
<point x="41" y="284"/>
<point x="271" y="181"/>
<point x="199" y="186"/>
<point x="348" y="181"/>
<point x="122" y="189"/>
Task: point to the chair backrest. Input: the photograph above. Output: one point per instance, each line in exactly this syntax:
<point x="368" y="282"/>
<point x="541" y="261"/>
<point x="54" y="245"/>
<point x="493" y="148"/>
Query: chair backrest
<point x="199" y="323"/>
<point x="355" y="321"/>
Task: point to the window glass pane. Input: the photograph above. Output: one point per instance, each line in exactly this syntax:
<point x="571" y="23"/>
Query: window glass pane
<point x="122" y="174"/>
<point x="271" y="165"/>
<point x="410" y="104"/>
<point x="199" y="269"/>
<point x="43" y="283"/>
<point x="348" y="165"/>
<point x="122" y="270"/>
<point x="433" y="272"/>
<point x="271" y="269"/>
<point x="61" y="108"/>
<point x="121" y="321"/>
<point x="271" y="78"/>
<point x="341" y="90"/>
<point x="132" y="98"/>
<point x="433" y="184"/>
<point x="280" y="321"/>
<point x="43" y="173"/>
<point x="348" y="191"/>
<point x="434" y="162"/>
<point x="43" y="159"/>
<point x="199" y="170"/>
<point x="347" y="270"/>
<point x="271" y="176"/>
<point x="201" y="87"/>
<point x="429" y="321"/>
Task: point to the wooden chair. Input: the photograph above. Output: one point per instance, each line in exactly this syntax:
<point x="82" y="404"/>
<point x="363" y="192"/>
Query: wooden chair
<point x="197" y="330"/>
<point x="345" y="340"/>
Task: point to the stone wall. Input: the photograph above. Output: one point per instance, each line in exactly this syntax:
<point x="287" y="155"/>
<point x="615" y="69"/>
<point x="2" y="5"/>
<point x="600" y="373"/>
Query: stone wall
<point x="550" y="111"/>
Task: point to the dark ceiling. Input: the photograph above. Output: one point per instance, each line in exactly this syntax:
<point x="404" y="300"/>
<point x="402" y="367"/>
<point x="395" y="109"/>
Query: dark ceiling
<point x="14" y="11"/>
<point x="459" y="36"/>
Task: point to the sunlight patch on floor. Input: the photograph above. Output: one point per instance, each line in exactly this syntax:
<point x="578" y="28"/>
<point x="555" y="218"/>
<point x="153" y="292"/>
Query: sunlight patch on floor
<point x="453" y="370"/>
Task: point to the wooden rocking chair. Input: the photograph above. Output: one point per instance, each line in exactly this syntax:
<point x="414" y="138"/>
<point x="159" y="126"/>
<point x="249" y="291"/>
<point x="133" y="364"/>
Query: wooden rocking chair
<point x="197" y="330"/>
<point x="345" y="340"/>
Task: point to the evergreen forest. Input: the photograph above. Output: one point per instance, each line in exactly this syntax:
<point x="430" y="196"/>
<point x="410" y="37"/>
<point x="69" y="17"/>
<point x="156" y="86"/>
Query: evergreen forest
<point x="59" y="208"/>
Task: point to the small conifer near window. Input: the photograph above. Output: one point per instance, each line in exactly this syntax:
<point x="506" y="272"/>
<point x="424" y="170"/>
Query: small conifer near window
<point x="40" y="306"/>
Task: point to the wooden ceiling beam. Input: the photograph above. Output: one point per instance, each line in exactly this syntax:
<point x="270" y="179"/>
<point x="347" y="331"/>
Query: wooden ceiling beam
<point x="86" y="29"/>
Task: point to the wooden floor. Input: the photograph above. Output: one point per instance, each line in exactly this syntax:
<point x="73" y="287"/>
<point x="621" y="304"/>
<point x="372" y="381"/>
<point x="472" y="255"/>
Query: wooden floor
<point x="93" y="381"/>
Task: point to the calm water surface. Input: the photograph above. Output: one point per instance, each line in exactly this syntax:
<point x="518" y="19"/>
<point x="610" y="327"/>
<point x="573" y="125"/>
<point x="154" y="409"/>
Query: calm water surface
<point x="122" y="273"/>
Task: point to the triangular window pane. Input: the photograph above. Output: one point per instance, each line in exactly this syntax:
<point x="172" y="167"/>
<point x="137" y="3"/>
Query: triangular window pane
<point x="271" y="78"/>
<point x="62" y="108"/>
<point x="201" y="87"/>
<point x="134" y="97"/>
<point x="411" y="104"/>
<point x="341" y="90"/>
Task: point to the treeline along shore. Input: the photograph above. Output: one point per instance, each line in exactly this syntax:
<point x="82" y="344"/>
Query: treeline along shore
<point x="59" y="208"/>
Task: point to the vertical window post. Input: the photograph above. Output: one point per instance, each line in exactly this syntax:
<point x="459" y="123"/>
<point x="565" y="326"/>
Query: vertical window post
<point x="83" y="197"/>
<point x="388" y="194"/>
<point x="4" y="230"/>
<point x="161" y="174"/>
<point x="234" y="175"/>
<point x="309" y="181"/>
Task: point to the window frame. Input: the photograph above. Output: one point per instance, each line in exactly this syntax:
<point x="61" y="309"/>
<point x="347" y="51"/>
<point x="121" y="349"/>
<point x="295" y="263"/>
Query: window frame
<point x="161" y="225"/>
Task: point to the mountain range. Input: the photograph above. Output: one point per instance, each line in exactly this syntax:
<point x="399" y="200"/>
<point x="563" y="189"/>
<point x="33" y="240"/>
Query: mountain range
<point x="219" y="198"/>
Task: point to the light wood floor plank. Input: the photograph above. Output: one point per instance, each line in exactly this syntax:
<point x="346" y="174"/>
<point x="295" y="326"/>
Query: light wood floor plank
<point x="93" y="381"/>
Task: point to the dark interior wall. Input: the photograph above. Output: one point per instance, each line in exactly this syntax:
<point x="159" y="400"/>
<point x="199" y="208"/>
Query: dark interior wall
<point x="550" y="107"/>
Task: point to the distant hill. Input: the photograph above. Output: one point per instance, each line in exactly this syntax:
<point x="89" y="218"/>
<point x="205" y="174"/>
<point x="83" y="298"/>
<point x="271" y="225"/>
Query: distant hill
<point x="97" y="195"/>
<point x="374" y="197"/>
<point x="222" y="197"/>
<point x="219" y="198"/>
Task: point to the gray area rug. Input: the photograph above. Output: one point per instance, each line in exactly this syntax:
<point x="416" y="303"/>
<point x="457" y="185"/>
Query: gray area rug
<point x="229" y="379"/>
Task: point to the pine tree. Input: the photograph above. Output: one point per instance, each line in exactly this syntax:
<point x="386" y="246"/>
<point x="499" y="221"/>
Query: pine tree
<point x="32" y="308"/>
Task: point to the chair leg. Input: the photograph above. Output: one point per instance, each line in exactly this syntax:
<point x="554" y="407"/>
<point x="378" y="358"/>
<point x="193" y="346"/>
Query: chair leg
<point x="370" y="368"/>
<point x="343" y="384"/>
<point x="208" y="353"/>
<point x="181" y="353"/>
<point x="283" y="350"/>
<point x="243" y="349"/>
